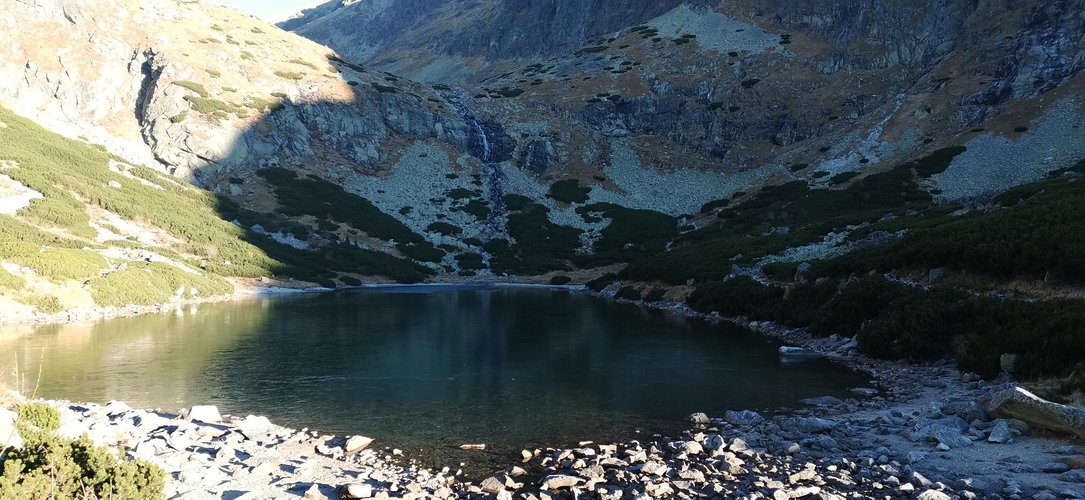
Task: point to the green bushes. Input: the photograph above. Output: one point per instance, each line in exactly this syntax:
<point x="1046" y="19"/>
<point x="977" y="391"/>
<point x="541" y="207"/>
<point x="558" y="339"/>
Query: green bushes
<point x="59" y="209"/>
<point x="54" y="263"/>
<point x="569" y="191"/>
<point x="628" y="292"/>
<point x="210" y="106"/>
<point x="350" y="281"/>
<point x="471" y="261"/>
<point x="290" y="75"/>
<point x="560" y="280"/>
<point x="51" y="466"/>
<point x="631" y="234"/>
<point x="1037" y="238"/>
<point x="444" y="228"/>
<point x="198" y="88"/>
<point x="749" y="231"/>
<point x="655" y="294"/>
<point x="938" y="161"/>
<point x="47" y="304"/>
<point x="325" y="200"/>
<point x="423" y="251"/>
<point x="897" y="321"/>
<point x="598" y="284"/>
<point x="478" y="208"/>
<point x="11" y="281"/>
<point x="147" y="283"/>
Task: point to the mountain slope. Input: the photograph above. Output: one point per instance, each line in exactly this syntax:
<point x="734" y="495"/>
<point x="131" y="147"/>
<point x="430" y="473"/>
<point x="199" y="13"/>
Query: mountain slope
<point x="437" y="41"/>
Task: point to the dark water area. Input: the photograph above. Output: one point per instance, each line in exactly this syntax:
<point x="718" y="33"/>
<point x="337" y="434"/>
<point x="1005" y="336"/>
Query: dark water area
<point x="425" y="368"/>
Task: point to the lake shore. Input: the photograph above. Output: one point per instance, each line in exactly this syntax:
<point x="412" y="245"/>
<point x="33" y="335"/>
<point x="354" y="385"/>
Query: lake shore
<point x="890" y="440"/>
<point x="914" y="432"/>
<point x="244" y="289"/>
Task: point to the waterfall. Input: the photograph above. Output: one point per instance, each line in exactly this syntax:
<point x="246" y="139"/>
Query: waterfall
<point x="479" y="146"/>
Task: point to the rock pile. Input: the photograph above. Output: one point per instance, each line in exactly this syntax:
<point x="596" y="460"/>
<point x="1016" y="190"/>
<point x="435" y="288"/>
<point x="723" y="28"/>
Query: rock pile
<point x="210" y="456"/>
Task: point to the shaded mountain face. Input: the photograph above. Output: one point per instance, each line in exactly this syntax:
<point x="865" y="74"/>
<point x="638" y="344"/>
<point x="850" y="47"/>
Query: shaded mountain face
<point x="443" y="40"/>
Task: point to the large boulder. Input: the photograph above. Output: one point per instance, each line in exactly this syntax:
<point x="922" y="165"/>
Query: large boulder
<point x="1023" y="405"/>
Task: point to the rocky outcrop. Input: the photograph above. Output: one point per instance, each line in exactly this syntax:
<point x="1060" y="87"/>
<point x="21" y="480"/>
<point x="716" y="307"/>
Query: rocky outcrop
<point x="1023" y="405"/>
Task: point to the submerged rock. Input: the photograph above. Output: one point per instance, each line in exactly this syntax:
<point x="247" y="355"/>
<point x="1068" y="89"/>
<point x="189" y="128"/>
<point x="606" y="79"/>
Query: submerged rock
<point x="743" y="418"/>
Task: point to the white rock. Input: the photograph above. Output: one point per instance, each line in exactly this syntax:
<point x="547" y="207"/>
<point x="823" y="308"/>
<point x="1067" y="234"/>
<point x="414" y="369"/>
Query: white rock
<point x="114" y="408"/>
<point x="699" y="419"/>
<point x="351" y="491"/>
<point x="355" y="444"/>
<point x="8" y="435"/>
<point x="204" y="413"/>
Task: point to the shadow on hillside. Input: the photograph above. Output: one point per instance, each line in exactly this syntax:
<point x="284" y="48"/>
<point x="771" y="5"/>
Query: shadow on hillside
<point x="302" y="152"/>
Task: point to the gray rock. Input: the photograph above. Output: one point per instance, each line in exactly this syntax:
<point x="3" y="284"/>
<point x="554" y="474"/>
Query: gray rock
<point x="743" y="418"/>
<point x="806" y="425"/>
<point x="916" y="456"/>
<point x="492" y="485"/>
<point x="822" y="401"/>
<point x="1055" y="468"/>
<point x="932" y="495"/>
<point x="864" y="391"/>
<point x="1000" y="433"/>
<point x="1073" y="476"/>
<point x="714" y="442"/>
<point x="1023" y="405"/>
<point x="967" y="408"/>
<point x="557" y="481"/>
<point x="692" y="448"/>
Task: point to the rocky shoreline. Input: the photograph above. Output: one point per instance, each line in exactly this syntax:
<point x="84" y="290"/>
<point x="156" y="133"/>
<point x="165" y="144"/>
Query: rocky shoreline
<point x="925" y="432"/>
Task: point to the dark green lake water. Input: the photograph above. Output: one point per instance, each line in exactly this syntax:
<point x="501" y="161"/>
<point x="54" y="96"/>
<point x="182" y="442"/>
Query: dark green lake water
<point x="420" y="367"/>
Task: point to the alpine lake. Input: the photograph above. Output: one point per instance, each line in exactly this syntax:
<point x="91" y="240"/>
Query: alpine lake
<point x="426" y="368"/>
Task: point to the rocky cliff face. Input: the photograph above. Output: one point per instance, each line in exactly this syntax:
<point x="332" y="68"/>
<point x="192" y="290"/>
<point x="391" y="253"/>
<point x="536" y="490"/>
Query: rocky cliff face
<point x="440" y="40"/>
<point x="189" y="87"/>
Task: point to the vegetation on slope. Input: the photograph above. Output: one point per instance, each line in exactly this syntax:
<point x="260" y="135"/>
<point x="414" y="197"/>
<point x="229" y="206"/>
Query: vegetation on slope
<point x="1030" y="233"/>
<point x="53" y="240"/>
<point x="52" y="466"/>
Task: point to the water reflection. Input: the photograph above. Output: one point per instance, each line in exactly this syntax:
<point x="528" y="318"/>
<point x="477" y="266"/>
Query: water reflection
<point x="426" y="366"/>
